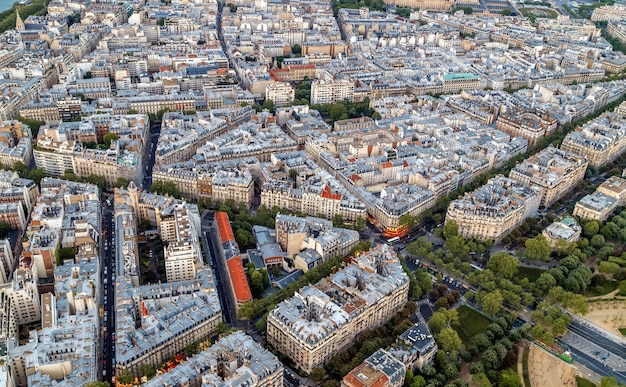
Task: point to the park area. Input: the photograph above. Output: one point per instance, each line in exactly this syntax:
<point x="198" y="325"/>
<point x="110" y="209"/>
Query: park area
<point x="534" y="13"/>
<point x="609" y="314"/>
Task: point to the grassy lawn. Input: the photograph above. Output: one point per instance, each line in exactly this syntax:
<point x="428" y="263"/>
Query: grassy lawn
<point x="531" y="273"/>
<point x="538" y="13"/>
<point x="472" y="323"/>
<point x="622" y="331"/>
<point x="526" y="375"/>
<point x="603" y="288"/>
<point x="582" y="382"/>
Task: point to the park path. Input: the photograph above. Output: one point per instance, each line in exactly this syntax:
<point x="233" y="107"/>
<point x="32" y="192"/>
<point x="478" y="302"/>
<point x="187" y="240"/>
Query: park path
<point x="520" y="364"/>
<point x="608" y="296"/>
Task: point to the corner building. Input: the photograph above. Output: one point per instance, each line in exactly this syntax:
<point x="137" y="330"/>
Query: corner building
<point x="321" y="320"/>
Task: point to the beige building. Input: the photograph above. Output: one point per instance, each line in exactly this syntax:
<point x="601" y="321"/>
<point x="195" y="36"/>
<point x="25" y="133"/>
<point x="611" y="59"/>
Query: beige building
<point x="231" y="182"/>
<point x="615" y="12"/>
<point x="614" y="187"/>
<point x="596" y="206"/>
<point x="183" y="251"/>
<point x="600" y="141"/>
<point x="554" y="171"/>
<point x="566" y="229"/>
<point x="313" y="199"/>
<point x="434" y="5"/>
<point x="493" y="210"/>
<point x="601" y="204"/>
<point x="319" y="321"/>
<point x="331" y="91"/>
<point x="234" y="360"/>
<point x="281" y="93"/>
<point x="526" y="125"/>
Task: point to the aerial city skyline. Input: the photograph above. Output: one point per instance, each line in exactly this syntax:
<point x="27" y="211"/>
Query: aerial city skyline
<point x="335" y="193"/>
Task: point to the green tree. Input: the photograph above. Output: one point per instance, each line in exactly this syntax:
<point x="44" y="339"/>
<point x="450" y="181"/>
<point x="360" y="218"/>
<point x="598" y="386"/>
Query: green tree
<point x="125" y="377"/>
<point x="563" y="248"/>
<point x="492" y="302"/>
<point x="317" y="374"/>
<point x="256" y="282"/>
<point x="100" y="181"/>
<point x="147" y="370"/>
<point x="407" y="220"/>
<point x="597" y="241"/>
<point x="509" y="378"/>
<point x="443" y="318"/>
<point x="607" y="381"/>
<point x="449" y="341"/>
<point x="108" y="138"/>
<point x="591" y="228"/>
<point x="121" y="183"/>
<point x="481" y="380"/>
<point x="296" y="49"/>
<point x="538" y="248"/>
<point x="34" y="125"/>
<point x="503" y="264"/>
<point x="269" y="105"/>
<point x="5" y="229"/>
<point x="450" y="229"/>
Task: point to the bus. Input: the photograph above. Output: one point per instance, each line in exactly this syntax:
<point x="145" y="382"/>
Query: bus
<point x="392" y="241"/>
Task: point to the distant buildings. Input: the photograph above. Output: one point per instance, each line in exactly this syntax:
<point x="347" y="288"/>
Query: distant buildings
<point x="493" y="210"/>
<point x="66" y="146"/>
<point x="322" y="319"/>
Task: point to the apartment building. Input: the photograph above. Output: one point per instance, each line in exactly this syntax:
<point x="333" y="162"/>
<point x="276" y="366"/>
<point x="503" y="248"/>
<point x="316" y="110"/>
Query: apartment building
<point x="493" y="210"/>
<point x="281" y="93"/>
<point x="182" y="254"/>
<point x="527" y="125"/>
<point x="15" y="143"/>
<point x="553" y="170"/>
<point x="315" y="196"/>
<point x="380" y="369"/>
<point x="615" y="12"/>
<point x="415" y="348"/>
<point x="322" y="319"/>
<point x="600" y="141"/>
<point x="394" y="202"/>
<point x="614" y="187"/>
<point x="331" y="91"/>
<point x="234" y="360"/>
<point x="13" y="214"/>
<point x="295" y="235"/>
<point x="7" y="261"/>
<point x="455" y="82"/>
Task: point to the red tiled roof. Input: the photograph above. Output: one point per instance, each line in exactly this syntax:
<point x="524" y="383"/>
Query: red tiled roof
<point x="223" y="224"/>
<point x="239" y="280"/>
